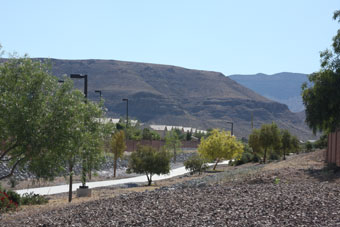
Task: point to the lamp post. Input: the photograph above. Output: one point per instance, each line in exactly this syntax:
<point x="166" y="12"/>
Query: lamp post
<point x="127" y="111"/>
<point x="232" y="127"/>
<point x="100" y="93"/>
<point x="79" y="76"/>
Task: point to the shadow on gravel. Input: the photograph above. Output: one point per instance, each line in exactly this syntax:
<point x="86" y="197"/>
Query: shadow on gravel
<point x="329" y="173"/>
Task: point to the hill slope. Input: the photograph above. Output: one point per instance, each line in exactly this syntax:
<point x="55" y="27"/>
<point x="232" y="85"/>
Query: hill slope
<point x="281" y="87"/>
<point x="163" y="94"/>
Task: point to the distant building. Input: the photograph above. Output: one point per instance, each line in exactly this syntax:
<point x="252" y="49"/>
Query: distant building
<point x="115" y="121"/>
<point x="163" y="129"/>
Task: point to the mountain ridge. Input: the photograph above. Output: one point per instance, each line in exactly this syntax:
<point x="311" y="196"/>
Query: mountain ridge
<point x="283" y="87"/>
<point x="163" y="94"/>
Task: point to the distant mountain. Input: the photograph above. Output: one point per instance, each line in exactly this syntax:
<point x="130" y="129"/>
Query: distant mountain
<point x="281" y="87"/>
<point x="163" y="94"/>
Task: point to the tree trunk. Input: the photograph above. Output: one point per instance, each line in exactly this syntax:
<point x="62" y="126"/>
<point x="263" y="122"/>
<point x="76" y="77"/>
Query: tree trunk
<point x="264" y="156"/>
<point x="90" y="175"/>
<point x="83" y="173"/>
<point x="284" y="155"/>
<point x="114" y="166"/>
<point x="174" y="153"/>
<point x="70" y="186"/>
<point x="150" y="180"/>
<point x="216" y="164"/>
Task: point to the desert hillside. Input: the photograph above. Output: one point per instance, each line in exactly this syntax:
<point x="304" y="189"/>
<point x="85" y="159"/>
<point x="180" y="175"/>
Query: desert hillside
<point x="163" y="94"/>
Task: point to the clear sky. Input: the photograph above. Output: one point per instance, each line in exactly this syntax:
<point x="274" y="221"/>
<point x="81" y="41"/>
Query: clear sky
<point x="229" y="36"/>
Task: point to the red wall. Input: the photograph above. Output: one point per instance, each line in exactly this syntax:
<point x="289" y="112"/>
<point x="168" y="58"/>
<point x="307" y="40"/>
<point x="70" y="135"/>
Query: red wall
<point x="157" y="144"/>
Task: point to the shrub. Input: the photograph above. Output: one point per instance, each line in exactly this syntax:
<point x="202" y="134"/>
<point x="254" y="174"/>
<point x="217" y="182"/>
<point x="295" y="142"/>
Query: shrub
<point x="33" y="199"/>
<point x="274" y="156"/>
<point x="15" y="197"/>
<point x="146" y="160"/>
<point x="195" y="164"/>
<point x="309" y="146"/>
<point x="248" y="155"/>
<point x="6" y="204"/>
<point x="322" y="142"/>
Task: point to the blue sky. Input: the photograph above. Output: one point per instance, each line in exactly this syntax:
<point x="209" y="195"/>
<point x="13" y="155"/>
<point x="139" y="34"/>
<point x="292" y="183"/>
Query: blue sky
<point x="229" y="36"/>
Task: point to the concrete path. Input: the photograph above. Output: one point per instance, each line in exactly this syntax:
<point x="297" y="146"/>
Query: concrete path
<point x="140" y="179"/>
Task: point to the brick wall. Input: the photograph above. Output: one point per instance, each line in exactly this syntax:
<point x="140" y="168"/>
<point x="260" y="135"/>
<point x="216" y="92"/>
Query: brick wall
<point x="157" y="144"/>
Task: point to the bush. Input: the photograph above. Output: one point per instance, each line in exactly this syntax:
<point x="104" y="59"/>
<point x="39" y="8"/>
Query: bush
<point x="274" y="156"/>
<point x="6" y="204"/>
<point x="15" y="197"/>
<point x="322" y="142"/>
<point x="195" y="164"/>
<point x="247" y="156"/>
<point x="309" y="146"/>
<point x="146" y="160"/>
<point x="33" y="199"/>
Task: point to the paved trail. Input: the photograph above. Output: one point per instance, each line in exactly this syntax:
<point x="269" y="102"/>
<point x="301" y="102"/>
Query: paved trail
<point x="50" y="190"/>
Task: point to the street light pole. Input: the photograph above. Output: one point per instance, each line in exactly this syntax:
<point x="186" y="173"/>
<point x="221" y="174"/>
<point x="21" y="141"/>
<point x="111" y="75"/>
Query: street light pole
<point x="232" y="127"/>
<point x="127" y="111"/>
<point x="79" y="76"/>
<point x="100" y="93"/>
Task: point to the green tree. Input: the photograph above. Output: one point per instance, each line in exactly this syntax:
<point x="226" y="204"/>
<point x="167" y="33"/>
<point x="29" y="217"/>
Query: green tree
<point x="188" y="136"/>
<point x="133" y="132"/>
<point x="147" y="135"/>
<point x="220" y="145"/>
<point x="254" y="142"/>
<point x="155" y="135"/>
<point x="269" y="138"/>
<point x="286" y="142"/>
<point x="45" y="125"/>
<point x="322" y="142"/>
<point x="80" y="135"/>
<point x="321" y="96"/>
<point x="295" y="144"/>
<point x="173" y="142"/>
<point x="195" y="164"/>
<point x="118" y="147"/>
<point x="29" y="134"/>
<point x="309" y="146"/>
<point x="146" y="160"/>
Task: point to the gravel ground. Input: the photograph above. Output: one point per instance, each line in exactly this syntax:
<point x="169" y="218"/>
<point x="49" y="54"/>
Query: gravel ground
<point x="292" y="194"/>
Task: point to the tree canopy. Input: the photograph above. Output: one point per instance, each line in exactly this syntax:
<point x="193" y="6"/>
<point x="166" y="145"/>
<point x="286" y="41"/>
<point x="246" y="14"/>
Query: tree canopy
<point x="45" y="125"/>
<point x="29" y="114"/>
<point x="273" y="142"/>
<point x="173" y="142"/>
<point x="321" y="96"/>
<point x="118" y="147"/>
<point x="220" y="145"/>
<point x="146" y="160"/>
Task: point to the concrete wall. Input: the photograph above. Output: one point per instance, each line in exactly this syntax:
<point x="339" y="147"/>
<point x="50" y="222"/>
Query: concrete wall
<point x="333" y="148"/>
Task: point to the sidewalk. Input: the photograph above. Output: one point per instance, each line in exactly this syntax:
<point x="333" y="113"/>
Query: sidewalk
<point x="140" y="179"/>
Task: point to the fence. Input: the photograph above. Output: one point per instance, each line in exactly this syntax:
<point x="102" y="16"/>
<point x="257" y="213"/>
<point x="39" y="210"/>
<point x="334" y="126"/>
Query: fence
<point x="333" y="148"/>
<point x="157" y="144"/>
